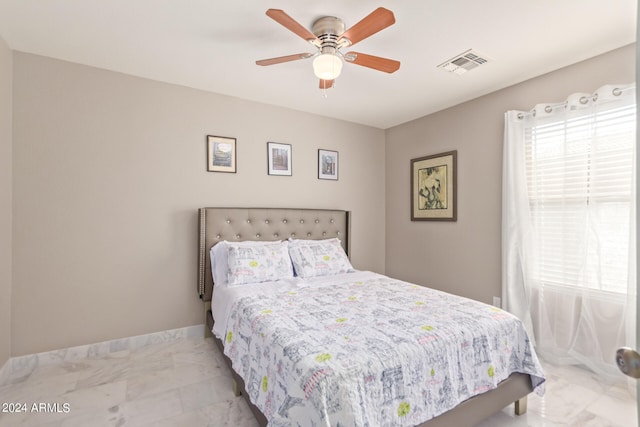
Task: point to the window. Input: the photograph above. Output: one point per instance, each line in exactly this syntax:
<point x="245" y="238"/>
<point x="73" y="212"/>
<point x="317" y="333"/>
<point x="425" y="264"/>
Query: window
<point x="579" y="179"/>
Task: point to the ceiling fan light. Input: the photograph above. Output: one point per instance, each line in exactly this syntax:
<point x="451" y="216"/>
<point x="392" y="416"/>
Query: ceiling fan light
<point x="327" y="66"/>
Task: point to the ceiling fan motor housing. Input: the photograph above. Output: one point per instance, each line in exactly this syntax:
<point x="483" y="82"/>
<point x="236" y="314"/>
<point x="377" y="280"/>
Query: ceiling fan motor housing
<point x="328" y="29"/>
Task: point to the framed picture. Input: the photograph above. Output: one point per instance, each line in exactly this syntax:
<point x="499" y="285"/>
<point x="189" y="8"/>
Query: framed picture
<point x="433" y="188"/>
<point x="279" y="158"/>
<point x="221" y="154"/>
<point x="327" y="164"/>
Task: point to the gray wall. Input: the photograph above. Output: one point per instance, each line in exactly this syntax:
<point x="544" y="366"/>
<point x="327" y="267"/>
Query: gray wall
<point x="464" y="257"/>
<point x="6" y="73"/>
<point x="109" y="169"/>
<point x="108" y="173"/>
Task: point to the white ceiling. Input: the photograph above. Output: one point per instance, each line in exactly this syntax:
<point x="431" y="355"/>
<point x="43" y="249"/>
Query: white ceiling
<point x="213" y="45"/>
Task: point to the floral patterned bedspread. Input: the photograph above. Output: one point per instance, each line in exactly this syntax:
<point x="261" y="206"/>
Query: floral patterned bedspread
<point x="371" y="351"/>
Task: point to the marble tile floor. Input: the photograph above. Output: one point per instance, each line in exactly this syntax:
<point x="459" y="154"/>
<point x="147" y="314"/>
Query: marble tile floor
<point x="186" y="383"/>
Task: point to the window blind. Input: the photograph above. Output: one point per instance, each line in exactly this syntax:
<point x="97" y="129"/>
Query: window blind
<point x="579" y="179"/>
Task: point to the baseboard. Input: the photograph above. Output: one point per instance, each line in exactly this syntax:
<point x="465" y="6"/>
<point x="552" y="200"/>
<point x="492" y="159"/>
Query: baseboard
<point x="16" y="368"/>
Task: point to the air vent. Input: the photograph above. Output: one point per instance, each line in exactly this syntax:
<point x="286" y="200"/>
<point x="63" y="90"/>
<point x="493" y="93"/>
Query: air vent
<point x="464" y="62"/>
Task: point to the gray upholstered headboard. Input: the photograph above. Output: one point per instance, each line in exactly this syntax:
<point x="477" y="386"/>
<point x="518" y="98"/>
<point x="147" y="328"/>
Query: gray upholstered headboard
<point x="240" y="224"/>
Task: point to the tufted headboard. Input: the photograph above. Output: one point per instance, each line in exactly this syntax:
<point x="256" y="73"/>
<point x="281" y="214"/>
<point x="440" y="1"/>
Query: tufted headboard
<point x="240" y="224"/>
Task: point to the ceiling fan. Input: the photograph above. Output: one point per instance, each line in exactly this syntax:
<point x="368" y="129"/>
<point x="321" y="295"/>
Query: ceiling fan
<point x="328" y="36"/>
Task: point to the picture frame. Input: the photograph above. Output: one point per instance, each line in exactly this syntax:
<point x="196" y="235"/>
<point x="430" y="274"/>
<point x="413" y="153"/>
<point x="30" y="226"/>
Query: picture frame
<point x="279" y="159"/>
<point x="434" y="187"/>
<point x="327" y="164"/>
<point x="221" y="154"/>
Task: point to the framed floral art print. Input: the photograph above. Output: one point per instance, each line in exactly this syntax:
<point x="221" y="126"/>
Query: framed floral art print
<point x="433" y="187"/>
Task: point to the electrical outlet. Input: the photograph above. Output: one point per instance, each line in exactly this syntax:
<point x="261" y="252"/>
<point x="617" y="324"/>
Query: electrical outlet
<point x="497" y="302"/>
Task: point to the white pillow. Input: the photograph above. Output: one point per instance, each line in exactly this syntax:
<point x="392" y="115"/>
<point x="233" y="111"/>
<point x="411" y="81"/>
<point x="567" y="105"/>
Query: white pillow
<point x="298" y="242"/>
<point x="258" y="263"/>
<point x="219" y="259"/>
<point x="318" y="257"/>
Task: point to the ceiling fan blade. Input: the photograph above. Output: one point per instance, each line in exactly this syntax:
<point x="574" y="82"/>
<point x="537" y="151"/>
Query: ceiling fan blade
<point x="281" y="59"/>
<point x="291" y="24"/>
<point x="370" y="61"/>
<point x="326" y="84"/>
<point x="376" y="21"/>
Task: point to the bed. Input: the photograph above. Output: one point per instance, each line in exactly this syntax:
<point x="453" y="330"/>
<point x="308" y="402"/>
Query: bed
<point x="250" y="322"/>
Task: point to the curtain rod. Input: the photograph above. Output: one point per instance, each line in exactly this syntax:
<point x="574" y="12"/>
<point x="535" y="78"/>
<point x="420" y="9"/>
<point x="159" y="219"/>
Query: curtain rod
<point x="583" y="100"/>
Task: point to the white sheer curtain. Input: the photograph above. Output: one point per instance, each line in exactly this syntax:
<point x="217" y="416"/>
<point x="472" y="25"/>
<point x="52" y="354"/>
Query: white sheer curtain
<point x="568" y="226"/>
